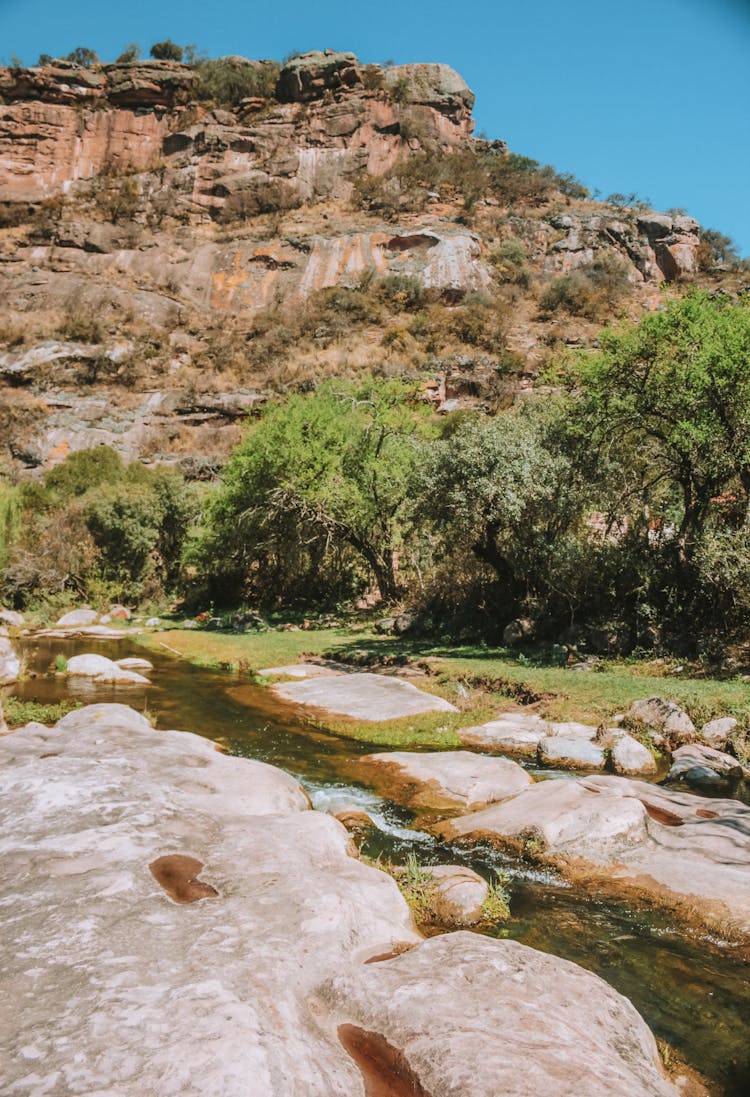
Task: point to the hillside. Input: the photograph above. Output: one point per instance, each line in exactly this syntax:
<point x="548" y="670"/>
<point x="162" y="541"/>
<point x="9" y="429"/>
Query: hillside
<point x="178" y="242"/>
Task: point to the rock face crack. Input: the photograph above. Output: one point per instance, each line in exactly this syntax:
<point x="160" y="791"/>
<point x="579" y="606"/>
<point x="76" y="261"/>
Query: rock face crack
<point x="385" y="1071"/>
<point x="176" y="873"/>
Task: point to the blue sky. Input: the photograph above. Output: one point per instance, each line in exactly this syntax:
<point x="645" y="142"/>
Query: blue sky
<point x="651" y="96"/>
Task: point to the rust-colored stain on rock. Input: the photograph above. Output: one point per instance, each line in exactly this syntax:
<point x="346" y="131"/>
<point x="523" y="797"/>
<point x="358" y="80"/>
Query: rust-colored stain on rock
<point x="176" y="872"/>
<point x="385" y="1071"/>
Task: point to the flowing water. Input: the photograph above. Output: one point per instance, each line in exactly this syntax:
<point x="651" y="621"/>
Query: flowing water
<point x="694" y="993"/>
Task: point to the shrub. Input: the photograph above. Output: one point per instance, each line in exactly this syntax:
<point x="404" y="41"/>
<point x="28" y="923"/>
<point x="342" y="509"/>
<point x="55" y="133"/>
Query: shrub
<point x="226" y="81"/>
<point x="117" y="197"/>
<point x="83" y="57"/>
<point x="167" y="51"/>
<point x="510" y="263"/>
<point x="716" y="249"/>
<point x="131" y="53"/>
<point x="595" y="292"/>
<point x="402" y="291"/>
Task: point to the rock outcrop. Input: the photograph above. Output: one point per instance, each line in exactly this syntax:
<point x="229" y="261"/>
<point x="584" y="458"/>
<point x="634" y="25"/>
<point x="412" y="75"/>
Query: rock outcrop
<point x="439" y="780"/>
<point x="177" y="922"/>
<point x="674" y="849"/>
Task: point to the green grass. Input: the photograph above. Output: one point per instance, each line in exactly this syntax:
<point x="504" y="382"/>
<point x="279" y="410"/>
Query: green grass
<point x="18" y="713"/>
<point x="480" y="681"/>
<point x="243" y="651"/>
<point x="562" y="694"/>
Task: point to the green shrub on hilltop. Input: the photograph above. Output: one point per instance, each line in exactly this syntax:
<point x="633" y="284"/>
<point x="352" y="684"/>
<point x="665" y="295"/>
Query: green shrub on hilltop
<point x="167" y="51"/>
<point x="226" y="81"/>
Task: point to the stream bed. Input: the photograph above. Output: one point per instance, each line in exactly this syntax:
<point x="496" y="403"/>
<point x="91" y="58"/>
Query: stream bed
<point x="693" y="992"/>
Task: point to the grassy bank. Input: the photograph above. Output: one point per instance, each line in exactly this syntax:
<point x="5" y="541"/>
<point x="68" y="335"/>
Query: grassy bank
<point x="480" y="681"/>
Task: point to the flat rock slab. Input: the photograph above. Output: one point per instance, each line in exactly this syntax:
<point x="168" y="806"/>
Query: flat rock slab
<point x="677" y="850"/>
<point x="443" y="779"/>
<point x="363" y="697"/>
<point x="510" y="733"/>
<point x="299" y="670"/>
<point x="177" y="923"/>
<point x="575" y="753"/>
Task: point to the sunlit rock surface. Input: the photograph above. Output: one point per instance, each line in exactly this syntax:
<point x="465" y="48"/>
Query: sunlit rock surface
<point x="176" y="923"/>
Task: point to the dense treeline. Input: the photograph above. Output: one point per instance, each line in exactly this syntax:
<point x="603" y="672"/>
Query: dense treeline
<point x="618" y="508"/>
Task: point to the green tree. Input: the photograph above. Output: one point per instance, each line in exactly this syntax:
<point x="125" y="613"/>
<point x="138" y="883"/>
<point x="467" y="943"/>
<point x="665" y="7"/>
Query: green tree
<point x="131" y="53"/>
<point x="505" y="487"/>
<point x="83" y="56"/>
<point x="331" y="469"/>
<point x="671" y="398"/>
<point x="167" y="51"/>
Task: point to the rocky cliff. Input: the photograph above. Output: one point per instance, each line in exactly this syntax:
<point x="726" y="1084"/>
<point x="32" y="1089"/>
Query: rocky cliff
<point x="167" y="248"/>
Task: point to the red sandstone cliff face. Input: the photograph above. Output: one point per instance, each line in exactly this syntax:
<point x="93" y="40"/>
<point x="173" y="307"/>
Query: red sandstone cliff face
<point x="156" y="248"/>
<point x="59" y="125"/>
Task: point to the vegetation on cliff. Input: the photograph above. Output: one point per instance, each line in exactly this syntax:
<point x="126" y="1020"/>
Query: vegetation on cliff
<point x="617" y="509"/>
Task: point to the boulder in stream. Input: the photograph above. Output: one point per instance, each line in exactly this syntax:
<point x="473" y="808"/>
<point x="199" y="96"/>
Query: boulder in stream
<point x="178" y="922"/>
<point x="629" y="757"/>
<point x="625" y="837"/>
<point x="440" y="780"/>
<point x="663" y="717"/>
<point x="701" y="765"/>
<point x="559" y="750"/>
<point x="11" y="618"/>
<point x="458" y="895"/>
<point x="718" y="732"/>
<point x="510" y="733"/>
<point x="100" y="669"/>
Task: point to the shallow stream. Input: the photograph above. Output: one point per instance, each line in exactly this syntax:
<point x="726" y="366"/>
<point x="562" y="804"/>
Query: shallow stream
<point x="694" y="993"/>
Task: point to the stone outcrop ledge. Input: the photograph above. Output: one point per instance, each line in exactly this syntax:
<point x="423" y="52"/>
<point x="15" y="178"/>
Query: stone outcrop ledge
<point x="178" y="922"/>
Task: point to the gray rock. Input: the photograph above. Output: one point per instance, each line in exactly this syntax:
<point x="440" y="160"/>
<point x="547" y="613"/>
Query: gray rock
<point x="309" y="75"/>
<point x="435" y="85"/>
<point x="443" y="779"/>
<point x="78" y="617"/>
<point x="630" y="758"/>
<point x="664" y="716"/>
<point x="458" y="896"/>
<point x="698" y="764"/>
<point x="10" y="664"/>
<point x="717" y="732"/>
<point x="133" y="663"/>
<point x="632" y="838"/>
<point x="11" y="618"/>
<point x="573" y="730"/>
<point x="557" y="750"/>
<point x="100" y="669"/>
<point x="510" y="733"/>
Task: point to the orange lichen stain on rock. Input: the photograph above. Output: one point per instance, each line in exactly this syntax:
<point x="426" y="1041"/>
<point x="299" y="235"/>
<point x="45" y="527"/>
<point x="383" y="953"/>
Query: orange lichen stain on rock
<point x="333" y="261"/>
<point x="226" y="283"/>
<point x="253" y="289"/>
<point x="177" y="874"/>
<point x="58" y="453"/>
